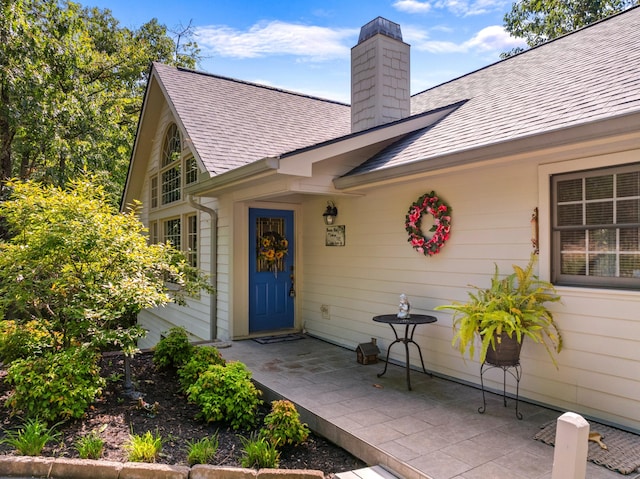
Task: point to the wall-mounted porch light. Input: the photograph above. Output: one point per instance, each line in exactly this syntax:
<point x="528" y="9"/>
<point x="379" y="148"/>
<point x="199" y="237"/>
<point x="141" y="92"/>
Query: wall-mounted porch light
<point x="330" y="213"/>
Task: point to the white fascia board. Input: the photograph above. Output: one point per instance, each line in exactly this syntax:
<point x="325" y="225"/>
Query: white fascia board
<point x="236" y="176"/>
<point x="300" y="163"/>
<point x="592" y="138"/>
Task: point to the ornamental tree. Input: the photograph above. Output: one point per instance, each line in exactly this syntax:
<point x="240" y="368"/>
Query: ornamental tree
<point x="81" y="269"/>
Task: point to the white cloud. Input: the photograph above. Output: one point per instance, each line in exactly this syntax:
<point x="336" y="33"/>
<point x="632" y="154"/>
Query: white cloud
<point x="412" y="6"/>
<point x="493" y="38"/>
<point x="489" y="39"/>
<point x="276" y="38"/>
<point x="414" y="35"/>
<point x="462" y="8"/>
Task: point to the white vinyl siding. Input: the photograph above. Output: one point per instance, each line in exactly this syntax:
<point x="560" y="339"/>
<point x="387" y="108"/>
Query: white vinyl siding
<point x="491" y="212"/>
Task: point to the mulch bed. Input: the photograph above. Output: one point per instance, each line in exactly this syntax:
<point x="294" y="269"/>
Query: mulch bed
<point x="115" y="416"/>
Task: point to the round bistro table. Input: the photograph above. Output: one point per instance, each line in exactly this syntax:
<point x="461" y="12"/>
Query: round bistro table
<point x="409" y="324"/>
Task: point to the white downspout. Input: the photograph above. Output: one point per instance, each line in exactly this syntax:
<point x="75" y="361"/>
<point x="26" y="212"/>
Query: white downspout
<point x="213" y="306"/>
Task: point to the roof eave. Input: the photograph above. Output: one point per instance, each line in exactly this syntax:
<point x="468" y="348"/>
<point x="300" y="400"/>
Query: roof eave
<point x="233" y="177"/>
<point x="628" y="124"/>
<point x="300" y="162"/>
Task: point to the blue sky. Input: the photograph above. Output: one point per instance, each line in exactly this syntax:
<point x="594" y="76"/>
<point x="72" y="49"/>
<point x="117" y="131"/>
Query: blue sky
<point x="305" y="45"/>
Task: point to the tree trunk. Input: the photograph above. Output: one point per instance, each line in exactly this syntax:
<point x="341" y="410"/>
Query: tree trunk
<point x="6" y="138"/>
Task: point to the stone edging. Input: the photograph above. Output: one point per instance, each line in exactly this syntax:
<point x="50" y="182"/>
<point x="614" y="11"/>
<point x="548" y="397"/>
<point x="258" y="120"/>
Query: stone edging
<point x="67" y="468"/>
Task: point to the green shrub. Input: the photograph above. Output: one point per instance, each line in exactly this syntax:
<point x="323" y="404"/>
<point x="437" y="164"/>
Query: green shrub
<point x="202" y="451"/>
<point x="282" y="425"/>
<point x="90" y="446"/>
<point x="173" y="350"/>
<point x="259" y="453"/>
<point x="226" y="393"/>
<point x="201" y="358"/>
<point x="144" y="448"/>
<point x="21" y="341"/>
<point x="30" y="439"/>
<point x="56" y="385"/>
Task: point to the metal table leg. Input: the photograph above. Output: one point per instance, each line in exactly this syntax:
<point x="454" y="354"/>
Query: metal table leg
<point x="408" y="338"/>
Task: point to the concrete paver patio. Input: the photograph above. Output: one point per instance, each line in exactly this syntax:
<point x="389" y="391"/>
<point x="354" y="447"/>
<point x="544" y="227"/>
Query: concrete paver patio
<point x="431" y="432"/>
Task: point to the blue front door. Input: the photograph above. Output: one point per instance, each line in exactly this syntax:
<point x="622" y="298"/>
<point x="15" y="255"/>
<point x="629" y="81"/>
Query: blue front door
<point x="271" y="273"/>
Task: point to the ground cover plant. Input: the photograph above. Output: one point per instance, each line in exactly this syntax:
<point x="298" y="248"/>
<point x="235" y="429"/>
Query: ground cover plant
<point x="113" y="417"/>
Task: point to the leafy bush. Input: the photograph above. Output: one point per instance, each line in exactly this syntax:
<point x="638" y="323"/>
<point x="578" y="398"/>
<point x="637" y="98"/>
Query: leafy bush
<point x="144" y="448"/>
<point x="201" y="358"/>
<point x="226" y="393"/>
<point x="259" y="453"/>
<point x="84" y="268"/>
<point x="30" y="439"/>
<point x="202" y="451"/>
<point x="56" y="385"/>
<point x="20" y="341"/>
<point x="173" y="350"/>
<point x="282" y="425"/>
<point x="90" y="446"/>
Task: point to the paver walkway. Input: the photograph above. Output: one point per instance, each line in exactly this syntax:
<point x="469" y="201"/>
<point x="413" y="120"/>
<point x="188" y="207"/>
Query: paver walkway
<point x="431" y="432"/>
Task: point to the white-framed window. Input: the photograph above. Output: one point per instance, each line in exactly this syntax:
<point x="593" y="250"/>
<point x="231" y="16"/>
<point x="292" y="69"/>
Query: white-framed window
<point x="192" y="240"/>
<point x="169" y="221"/>
<point x="190" y="170"/>
<point x="170" y="173"/>
<point x="154" y="236"/>
<point x="595" y="227"/>
<point x="172" y="232"/>
<point x="178" y="169"/>
<point x="171" y="184"/>
<point x="181" y="232"/>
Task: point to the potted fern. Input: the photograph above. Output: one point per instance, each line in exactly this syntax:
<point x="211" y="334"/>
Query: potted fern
<point x="501" y="316"/>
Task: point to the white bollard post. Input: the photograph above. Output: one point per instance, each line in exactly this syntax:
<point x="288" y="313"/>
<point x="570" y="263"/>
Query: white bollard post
<point x="572" y="444"/>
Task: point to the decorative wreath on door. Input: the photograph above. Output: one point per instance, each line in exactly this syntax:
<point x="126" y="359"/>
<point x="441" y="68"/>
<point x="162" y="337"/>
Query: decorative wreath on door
<point x="428" y="203"/>
<point x="272" y="247"/>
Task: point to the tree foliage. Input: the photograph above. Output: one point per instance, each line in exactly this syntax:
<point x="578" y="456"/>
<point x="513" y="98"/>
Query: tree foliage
<point x="71" y="87"/>
<point x="82" y="270"/>
<point x="538" y="21"/>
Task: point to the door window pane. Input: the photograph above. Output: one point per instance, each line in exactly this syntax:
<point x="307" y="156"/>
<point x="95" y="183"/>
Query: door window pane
<point x="271" y="244"/>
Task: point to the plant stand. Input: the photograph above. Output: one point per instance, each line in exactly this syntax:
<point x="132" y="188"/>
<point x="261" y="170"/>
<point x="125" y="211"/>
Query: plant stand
<point x="515" y="370"/>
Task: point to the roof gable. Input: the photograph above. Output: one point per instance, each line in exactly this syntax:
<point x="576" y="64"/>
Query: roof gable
<point x="231" y="123"/>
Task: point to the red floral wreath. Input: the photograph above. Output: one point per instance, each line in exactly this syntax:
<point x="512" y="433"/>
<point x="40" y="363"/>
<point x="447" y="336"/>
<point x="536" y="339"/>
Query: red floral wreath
<point x="441" y="213"/>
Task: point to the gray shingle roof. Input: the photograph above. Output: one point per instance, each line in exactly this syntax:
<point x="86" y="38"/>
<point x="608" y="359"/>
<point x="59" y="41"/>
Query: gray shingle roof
<point x="232" y="123"/>
<point x="589" y="75"/>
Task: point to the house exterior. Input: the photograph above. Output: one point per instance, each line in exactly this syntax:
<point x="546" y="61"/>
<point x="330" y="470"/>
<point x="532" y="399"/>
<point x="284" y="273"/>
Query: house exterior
<point x="239" y="175"/>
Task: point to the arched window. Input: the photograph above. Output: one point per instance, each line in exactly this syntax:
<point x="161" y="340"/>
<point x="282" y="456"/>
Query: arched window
<point x="171" y="165"/>
<point x="171" y="148"/>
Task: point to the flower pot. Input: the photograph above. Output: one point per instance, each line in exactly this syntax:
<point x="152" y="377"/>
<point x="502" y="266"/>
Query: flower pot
<point x="506" y="352"/>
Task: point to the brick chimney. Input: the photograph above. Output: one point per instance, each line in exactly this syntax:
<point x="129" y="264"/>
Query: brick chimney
<point x="379" y="76"/>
